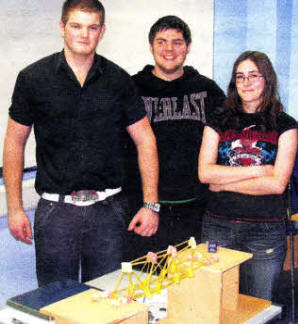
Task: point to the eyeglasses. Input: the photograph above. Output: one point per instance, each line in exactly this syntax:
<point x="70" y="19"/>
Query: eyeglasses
<point x="240" y="78"/>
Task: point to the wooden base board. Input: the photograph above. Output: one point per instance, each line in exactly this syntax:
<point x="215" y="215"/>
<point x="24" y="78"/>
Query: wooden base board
<point x="81" y="309"/>
<point x="287" y="263"/>
<point x="247" y="308"/>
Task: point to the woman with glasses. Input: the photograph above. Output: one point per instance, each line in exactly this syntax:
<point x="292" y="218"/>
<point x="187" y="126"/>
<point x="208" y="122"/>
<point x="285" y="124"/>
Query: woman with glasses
<point x="247" y="157"/>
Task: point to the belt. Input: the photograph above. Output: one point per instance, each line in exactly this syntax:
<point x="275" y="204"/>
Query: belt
<point x="177" y="202"/>
<point x="82" y="197"/>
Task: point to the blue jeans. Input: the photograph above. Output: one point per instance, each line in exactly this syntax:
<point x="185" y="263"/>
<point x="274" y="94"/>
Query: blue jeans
<point x="69" y="238"/>
<point x="267" y="243"/>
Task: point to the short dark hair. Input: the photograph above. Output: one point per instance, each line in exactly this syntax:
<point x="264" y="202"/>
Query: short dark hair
<point x="84" y="5"/>
<point x="170" y="22"/>
<point x="271" y="102"/>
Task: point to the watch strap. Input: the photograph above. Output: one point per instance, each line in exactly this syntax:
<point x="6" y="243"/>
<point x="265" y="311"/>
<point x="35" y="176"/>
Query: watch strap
<point x="155" y="206"/>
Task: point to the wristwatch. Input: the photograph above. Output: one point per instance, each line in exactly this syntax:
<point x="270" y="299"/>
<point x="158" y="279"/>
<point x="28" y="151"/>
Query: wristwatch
<point x="153" y="206"/>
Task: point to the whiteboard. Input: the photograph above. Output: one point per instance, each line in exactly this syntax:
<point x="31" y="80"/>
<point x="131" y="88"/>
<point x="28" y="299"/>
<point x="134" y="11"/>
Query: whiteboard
<point x="29" y="31"/>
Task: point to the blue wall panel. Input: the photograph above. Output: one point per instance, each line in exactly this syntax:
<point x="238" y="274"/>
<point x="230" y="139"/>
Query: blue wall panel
<point x="230" y="27"/>
<point x="270" y="26"/>
<point x="293" y="81"/>
<point x="283" y="49"/>
<point x="261" y="27"/>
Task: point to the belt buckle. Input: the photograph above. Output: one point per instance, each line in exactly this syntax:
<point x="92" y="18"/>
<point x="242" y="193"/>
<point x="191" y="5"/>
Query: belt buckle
<point x="84" y="195"/>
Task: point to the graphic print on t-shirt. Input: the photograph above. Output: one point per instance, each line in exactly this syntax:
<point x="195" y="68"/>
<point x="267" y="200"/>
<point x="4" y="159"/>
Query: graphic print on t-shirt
<point x="170" y="108"/>
<point x="248" y="147"/>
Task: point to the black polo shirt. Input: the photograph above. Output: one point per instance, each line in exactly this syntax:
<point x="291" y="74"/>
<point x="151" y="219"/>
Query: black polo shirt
<point x="77" y="129"/>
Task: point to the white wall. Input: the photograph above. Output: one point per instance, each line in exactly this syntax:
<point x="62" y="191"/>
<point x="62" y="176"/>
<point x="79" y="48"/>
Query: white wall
<point x="29" y="31"/>
<point x="30" y="197"/>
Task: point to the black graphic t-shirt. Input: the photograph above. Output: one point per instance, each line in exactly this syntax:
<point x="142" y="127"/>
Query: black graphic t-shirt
<point x="178" y="111"/>
<point x="249" y="145"/>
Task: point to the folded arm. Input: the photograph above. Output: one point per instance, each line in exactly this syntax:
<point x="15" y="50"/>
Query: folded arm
<point x="282" y="170"/>
<point x="212" y="173"/>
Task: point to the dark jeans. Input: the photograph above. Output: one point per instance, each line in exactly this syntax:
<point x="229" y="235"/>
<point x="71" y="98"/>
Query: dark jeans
<point x="267" y="243"/>
<point x="178" y="222"/>
<point x="68" y="237"/>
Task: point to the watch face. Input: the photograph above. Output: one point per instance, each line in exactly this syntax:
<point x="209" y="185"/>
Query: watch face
<point x="156" y="207"/>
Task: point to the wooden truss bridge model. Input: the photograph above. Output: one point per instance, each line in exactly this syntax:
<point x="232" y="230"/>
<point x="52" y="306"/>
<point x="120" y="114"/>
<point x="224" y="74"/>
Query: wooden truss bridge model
<point x="202" y="288"/>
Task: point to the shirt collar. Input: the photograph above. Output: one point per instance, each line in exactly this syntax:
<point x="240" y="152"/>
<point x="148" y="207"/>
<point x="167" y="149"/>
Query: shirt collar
<point x="61" y="62"/>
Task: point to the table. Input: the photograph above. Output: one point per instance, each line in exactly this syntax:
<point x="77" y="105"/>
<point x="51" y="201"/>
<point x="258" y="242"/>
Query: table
<point x="9" y="315"/>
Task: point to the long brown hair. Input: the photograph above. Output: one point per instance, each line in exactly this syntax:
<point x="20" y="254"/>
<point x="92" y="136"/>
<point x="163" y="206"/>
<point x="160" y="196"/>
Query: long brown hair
<point x="270" y="104"/>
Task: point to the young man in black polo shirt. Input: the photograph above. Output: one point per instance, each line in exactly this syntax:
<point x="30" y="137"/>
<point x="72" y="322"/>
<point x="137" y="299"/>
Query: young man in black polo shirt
<point x="179" y="102"/>
<point x="77" y="102"/>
